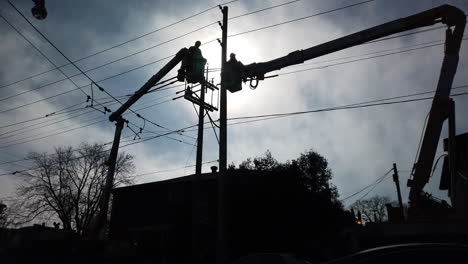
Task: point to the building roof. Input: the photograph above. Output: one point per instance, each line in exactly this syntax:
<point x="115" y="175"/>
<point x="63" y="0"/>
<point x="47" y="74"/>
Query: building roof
<point x="183" y="179"/>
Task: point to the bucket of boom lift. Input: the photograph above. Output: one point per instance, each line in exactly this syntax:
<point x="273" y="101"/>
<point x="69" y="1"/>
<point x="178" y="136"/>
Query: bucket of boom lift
<point x="233" y="77"/>
<point x="192" y="69"/>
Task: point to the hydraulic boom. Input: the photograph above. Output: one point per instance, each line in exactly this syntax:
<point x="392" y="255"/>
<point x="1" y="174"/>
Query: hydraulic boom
<point x="455" y="20"/>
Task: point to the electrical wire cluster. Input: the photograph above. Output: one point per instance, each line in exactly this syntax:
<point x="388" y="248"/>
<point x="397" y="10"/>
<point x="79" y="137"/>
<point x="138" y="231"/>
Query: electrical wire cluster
<point x="104" y="105"/>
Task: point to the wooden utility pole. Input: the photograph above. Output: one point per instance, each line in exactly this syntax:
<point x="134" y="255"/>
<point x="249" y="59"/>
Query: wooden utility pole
<point x="201" y="115"/>
<point x="222" y="246"/>
<point x="397" y="183"/>
<point x="105" y="196"/>
<point x="196" y="179"/>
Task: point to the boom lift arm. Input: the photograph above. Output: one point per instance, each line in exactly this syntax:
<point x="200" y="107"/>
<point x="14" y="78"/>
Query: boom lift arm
<point x="149" y="84"/>
<point x="455" y="20"/>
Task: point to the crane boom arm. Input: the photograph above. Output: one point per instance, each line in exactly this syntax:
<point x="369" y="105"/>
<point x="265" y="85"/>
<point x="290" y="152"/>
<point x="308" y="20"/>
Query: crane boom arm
<point x="150" y="83"/>
<point x="446" y="14"/>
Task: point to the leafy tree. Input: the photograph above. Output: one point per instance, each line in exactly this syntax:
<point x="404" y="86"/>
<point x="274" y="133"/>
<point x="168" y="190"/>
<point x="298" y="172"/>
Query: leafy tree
<point x="299" y="203"/>
<point x="68" y="185"/>
<point x="372" y="209"/>
<point x="316" y="175"/>
<point x="266" y="163"/>
<point x="311" y="168"/>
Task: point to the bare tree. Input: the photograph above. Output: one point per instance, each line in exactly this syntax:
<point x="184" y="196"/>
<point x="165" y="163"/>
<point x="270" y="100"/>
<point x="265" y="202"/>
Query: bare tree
<point x="68" y="185"/>
<point x="3" y="215"/>
<point x="372" y="209"/>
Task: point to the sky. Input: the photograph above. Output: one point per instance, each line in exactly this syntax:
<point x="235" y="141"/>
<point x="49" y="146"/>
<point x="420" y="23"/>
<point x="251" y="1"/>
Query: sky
<point x="360" y="144"/>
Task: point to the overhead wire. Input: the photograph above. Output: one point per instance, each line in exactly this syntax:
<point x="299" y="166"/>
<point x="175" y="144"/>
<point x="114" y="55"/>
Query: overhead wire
<point x="49" y="123"/>
<point x="113" y="76"/>
<point x="122" y="43"/>
<point x="348" y="106"/>
<point x="62" y="120"/>
<point x="122" y="146"/>
<point x="45" y="56"/>
<point x="343" y="107"/>
<point x="302" y="18"/>
<point x="373" y="187"/>
<point x="368" y="186"/>
<point x="146" y="49"/>
<point x="81" y="71"/>
<point x="284" y="115"/>
<point x="42" y="54"/>
<point x="358" y="60"/>
<point x="174" y="169"/>
<point x="285" y="73"/>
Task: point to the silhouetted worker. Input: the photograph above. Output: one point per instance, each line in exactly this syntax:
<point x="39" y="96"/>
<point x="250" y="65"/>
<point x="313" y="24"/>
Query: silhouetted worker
<point x="193" y="65"/>
<point x="235" y="73"/>
<point x="195" y="51"/>
<point x="39" y="10"/>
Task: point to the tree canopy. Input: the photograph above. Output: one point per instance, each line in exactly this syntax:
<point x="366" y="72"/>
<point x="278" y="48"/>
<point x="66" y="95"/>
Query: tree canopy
<point x="311" y="168"/>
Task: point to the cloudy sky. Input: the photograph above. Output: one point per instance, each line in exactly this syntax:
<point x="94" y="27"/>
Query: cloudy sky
<point x="360" y="144"/>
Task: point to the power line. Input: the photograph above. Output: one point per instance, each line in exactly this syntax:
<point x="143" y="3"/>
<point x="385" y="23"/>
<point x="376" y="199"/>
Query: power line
<point x="61" y="53"/>
<point x="121" y="43"/>
<point x="113" y="76"/>
<point x="286" y="73"/>
<point x="161" y="44"/>
<point x="89" y="78"/>
<point x="343" y="107"/>
<point x="62" y="120"/>
<point x="354" y="56"/>
<point x="368" y="186"/>
<point x="264" y="9"/>
<point x="65" y="119"/>
<point x="349" y="106"/>
<point x="58" y="50"/>
<point x="54" y="134"/>
<point x="73" y="150"/>
<point x="301" y="18"/>
<point x="174" y="169"/>
<point x="54" y="117"/>
<point x="271" y="116"/>
<point x="362" y="59"/>
<point x="371" y="53"/>
<point x="61" y="112"/>
<point x="122" y="146"/>
<point x="43" y="55"/>
<point x="258" y="118"/>
<point x="405" y="34"/>
<point x="373" y="187"/>
<point x="154" y="31"/>
<point x="146" y="49"/>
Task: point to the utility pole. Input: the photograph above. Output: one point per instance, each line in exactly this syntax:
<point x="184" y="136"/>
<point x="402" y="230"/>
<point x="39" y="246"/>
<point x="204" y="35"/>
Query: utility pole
<point x="201" y="115"/>
<point x="397" y="183"/>
<point x="196" y="179"/>
<point x="223" y="100"/>
<point x="222" y="245"/>
<point x="105" y="196"/>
